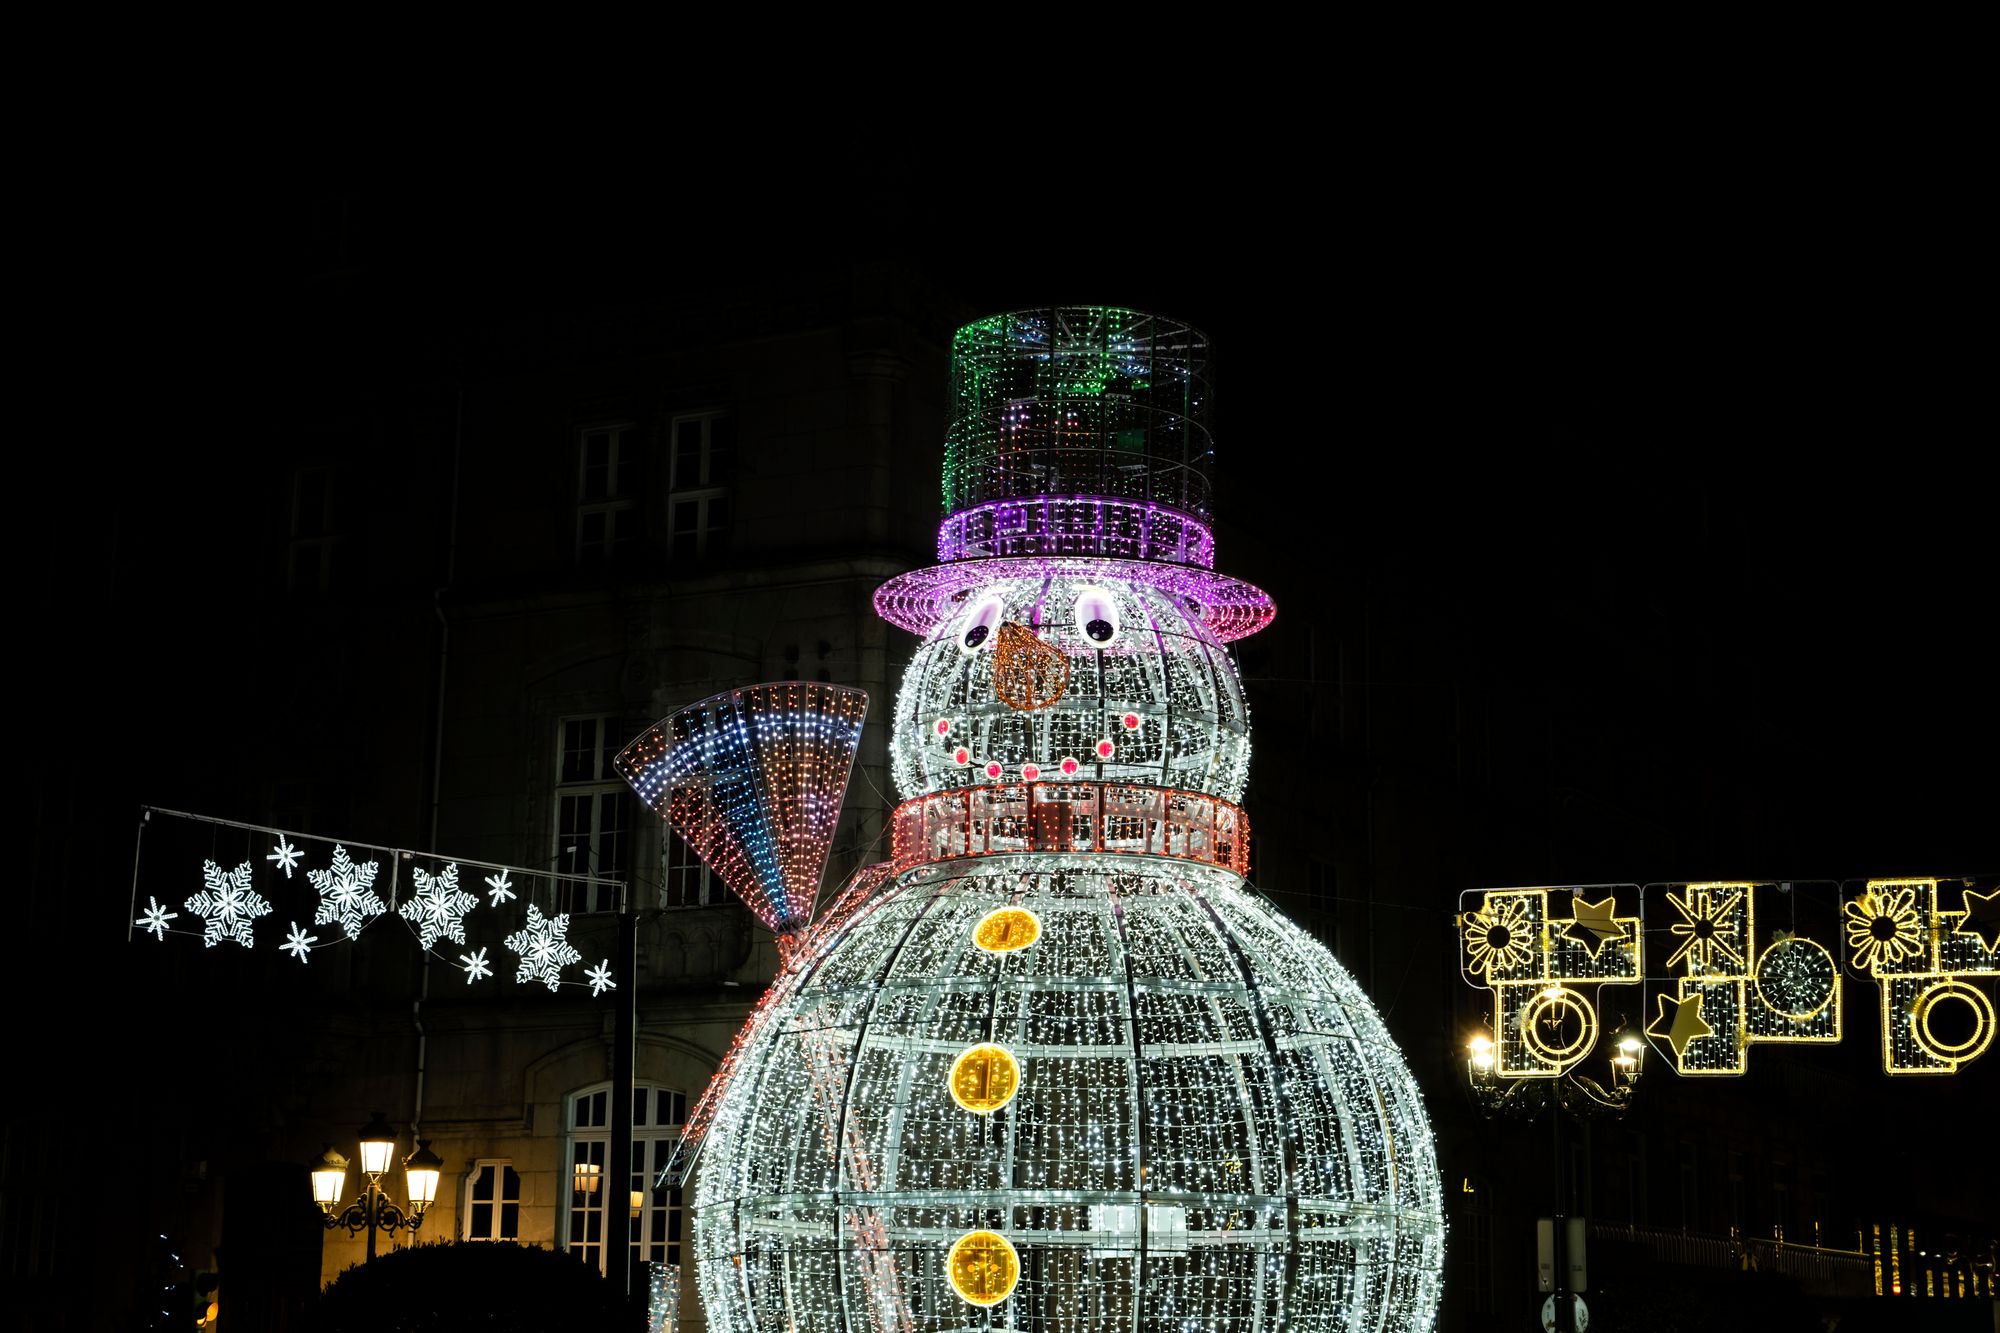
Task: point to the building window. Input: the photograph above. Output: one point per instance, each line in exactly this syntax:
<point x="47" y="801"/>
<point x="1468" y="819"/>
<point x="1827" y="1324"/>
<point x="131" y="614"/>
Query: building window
<point x="704" y="451"/>
<point x="657" y="1219"/>
<point x="313" y="567"/>
<point x="684" y="880"/>
<point x="492" y="1201"/>
<point x="592" y="834"/>
<point x="607" y="493"/>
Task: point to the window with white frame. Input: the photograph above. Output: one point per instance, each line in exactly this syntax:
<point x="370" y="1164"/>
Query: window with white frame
<point x="607" y="493"/>
<point x="492" y="1208"/>
<point x="685" y="880"/>
<point x="655" y="1211"/>
<point x="313" y="567"/>
<point x="592" y="811"/>
<point x="703" y="454"/>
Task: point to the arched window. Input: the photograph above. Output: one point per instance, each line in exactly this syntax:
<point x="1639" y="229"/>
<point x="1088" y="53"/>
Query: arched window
<point x="657" y="1113"/>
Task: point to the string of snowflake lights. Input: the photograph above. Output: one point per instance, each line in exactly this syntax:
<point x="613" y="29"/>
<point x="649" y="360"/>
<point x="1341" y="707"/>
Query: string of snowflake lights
<point x="343" y="892"/>
<point x="439" y="906"/>
<point x="752" y="779"/>
<point x="347" y="893"/>
<point x="228" y="906"/>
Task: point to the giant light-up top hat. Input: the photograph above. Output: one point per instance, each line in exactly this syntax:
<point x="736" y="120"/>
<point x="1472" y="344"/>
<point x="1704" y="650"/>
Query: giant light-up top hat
<point x="1079" y="443"/>
<point x="1077" y="627"/>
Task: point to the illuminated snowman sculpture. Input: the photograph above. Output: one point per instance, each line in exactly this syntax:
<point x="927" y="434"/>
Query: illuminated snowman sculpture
<point x="1055" y="1065"/>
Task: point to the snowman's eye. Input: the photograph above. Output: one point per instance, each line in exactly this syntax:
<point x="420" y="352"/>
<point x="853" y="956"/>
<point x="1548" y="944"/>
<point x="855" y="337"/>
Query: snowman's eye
<point x="978" y="629"/>
<point x="1097" y="617"/>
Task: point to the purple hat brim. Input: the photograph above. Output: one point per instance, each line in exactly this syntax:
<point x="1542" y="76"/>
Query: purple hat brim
<point x="922" y="599"/>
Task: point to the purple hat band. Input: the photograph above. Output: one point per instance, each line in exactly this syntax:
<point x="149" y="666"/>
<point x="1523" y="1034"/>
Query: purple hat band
<point x="1076" y="525"/>
<point x="922" y="599"/>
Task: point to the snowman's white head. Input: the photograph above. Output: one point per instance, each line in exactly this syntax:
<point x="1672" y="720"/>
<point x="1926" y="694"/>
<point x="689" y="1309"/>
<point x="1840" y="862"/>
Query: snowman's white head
<point x="1072" y="674"/>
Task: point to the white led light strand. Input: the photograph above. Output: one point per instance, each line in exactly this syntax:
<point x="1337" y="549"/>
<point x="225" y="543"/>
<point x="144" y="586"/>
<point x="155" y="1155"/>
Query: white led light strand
<point x="228" y="906"/>
<point x="439" y="906"/>
<point x="347" y="893"/>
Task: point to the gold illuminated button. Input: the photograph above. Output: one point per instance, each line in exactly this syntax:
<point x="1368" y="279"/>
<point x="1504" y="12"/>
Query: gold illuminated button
<point x="1007" y="929"/>
<point x="984" y="1267"/>
<point x="985" y="1078"/>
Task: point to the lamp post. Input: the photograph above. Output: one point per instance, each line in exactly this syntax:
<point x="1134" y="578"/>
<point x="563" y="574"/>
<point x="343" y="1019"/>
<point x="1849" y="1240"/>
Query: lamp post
<point x="372" y="1210"/>
<point x="1574" y="1093"/>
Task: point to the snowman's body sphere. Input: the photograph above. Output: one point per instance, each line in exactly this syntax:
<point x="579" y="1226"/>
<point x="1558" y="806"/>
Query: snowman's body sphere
<point x="1211" y="1125"/>
<point x="1186" y="1117"/>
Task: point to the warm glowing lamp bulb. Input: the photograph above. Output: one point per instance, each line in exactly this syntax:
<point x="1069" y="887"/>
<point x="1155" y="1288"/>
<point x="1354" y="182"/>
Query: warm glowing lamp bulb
<point x="329" y="1178"/>
<point x="1481" y="1048"/>
<point x="378" y="1145"/>
<point x="422" y="1169"/>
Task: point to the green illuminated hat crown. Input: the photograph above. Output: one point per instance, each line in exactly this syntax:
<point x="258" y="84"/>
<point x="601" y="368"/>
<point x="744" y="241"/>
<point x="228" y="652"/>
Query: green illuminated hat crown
<point x="1079" y="400"/>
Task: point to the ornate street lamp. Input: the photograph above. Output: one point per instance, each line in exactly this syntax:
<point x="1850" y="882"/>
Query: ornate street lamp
<point x="373" y="1211"/>
<point x="1628" y="1058"/>
<point x="1574" y="1092"/>
<point x="1563" y="1093"/>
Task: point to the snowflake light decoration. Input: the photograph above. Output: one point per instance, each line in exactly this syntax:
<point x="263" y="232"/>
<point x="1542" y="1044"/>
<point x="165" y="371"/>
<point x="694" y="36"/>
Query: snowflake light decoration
<point x="1707" y="928"/>
<point x="286" y="855"/>
<point x="298" y="944"/>
<point x="500" y="888"/>
<point x="600" y="977"/>
<point x="155" y="918"/>
<point x="439" y="906"/>
<point x="346" y="893"/>
<point x="228" y="906"/>
<point x="476" y="966"/>
<point x="544" y="948"/>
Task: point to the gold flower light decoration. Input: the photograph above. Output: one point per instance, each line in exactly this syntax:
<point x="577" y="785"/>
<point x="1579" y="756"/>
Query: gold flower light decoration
<point x="1882" y="927"/>
<point x="1498" y="937"/>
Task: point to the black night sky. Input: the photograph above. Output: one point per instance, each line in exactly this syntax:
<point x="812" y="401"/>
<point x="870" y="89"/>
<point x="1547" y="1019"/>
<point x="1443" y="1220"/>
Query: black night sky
<point x="1560" y="410"/>
<point x="1581" y="420"/>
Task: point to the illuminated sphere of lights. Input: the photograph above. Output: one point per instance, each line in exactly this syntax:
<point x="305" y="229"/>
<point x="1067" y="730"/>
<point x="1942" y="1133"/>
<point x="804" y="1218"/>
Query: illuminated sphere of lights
<point x="1258" y="1116"/>
<point x="1174" y="1109"/>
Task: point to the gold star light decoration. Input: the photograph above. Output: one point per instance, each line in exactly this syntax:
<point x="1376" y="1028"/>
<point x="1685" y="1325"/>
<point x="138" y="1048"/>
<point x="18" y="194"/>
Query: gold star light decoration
<point x="1533" y="948"/>
<point x="1679" y="1023"/>
<point x="1929" y="944"/>
<point x="1730" y="993"/>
